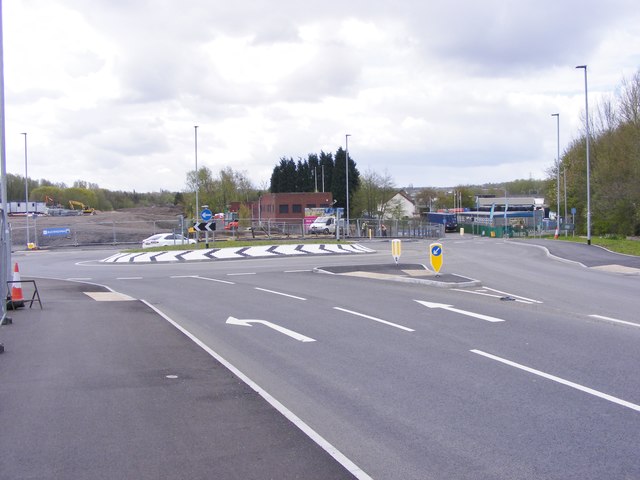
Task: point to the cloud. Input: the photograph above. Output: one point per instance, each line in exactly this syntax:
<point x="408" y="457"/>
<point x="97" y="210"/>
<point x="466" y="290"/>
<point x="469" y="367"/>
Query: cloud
<point x="458" y="88"/>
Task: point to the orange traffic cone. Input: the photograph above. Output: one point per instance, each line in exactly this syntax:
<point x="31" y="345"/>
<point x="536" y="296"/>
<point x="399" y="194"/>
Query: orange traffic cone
<point x="17" y="300"/>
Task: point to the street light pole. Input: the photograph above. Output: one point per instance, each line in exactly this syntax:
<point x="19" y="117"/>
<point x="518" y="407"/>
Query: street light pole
<point x="26" y="188"/>
<point x="564" y="178"/>
<point x="346" y="141"/>
<point x="557" y="115"/>
<point x="195" y="214"/>
<point x="586" y="104"/>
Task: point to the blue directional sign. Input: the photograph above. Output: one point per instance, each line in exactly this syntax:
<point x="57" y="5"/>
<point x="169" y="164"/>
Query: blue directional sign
<point x="56" y="232"/>
<point x="206" y="214"/>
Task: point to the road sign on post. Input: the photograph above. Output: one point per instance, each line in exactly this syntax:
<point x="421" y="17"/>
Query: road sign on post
<point x="206" y="214"/>
<point x="205" y="227"/>
<point x="396" y="249"/>
<point x="435" y="255"/>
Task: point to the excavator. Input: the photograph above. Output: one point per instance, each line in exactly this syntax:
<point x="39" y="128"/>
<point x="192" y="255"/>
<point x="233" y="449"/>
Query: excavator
<point x="86" y="210"/>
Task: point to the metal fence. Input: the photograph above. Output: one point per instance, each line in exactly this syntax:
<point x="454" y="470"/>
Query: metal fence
<point x="57" y="232"/>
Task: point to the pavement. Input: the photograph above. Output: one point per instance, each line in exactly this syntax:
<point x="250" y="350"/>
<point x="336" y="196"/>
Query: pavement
<point x="97" y="385"/>
<point x="589" y="256"/>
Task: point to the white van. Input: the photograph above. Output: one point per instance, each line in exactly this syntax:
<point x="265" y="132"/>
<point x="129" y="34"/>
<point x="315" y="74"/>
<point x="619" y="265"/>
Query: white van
<point x="323" y="225"/>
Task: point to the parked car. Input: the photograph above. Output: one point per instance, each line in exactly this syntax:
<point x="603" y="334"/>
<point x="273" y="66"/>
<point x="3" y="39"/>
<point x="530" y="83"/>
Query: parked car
<point x="166" y="239"/>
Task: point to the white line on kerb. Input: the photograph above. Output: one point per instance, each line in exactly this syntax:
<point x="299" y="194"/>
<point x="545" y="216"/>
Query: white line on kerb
<point x="374" y="319"/>
<point x="615" y="320"/>
<point x="577" y="386"/>
<point x="279" y="293"/>
<point x="292" y="417"/>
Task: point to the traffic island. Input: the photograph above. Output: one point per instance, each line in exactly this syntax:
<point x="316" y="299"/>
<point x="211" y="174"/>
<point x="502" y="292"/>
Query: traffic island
<point x="402" y="272"/>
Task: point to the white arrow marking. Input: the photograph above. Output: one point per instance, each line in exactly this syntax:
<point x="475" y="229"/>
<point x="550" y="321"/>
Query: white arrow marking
<point x="286" y="331"/>
<point x="457" y="310"/>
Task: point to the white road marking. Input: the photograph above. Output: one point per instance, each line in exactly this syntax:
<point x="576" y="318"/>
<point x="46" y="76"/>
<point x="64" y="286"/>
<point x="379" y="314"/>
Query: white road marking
<point x="214" y="280"/>
<point x="457" y="310"/>
<point x="375" y="319"/>
<point x="609" y="319"/>
<point x="562" y="381"/>
<point x="498" y="294"/>
<point x="238" y="274"/>
<point x="77" y="279"/>
<point x="129" y="278"/>
<point x="278" y="328"/>
<point x="515" y="296"/>
<point x="297" y="271"/>
<point x="279" y="293"/>
<point x="293" y="418"/>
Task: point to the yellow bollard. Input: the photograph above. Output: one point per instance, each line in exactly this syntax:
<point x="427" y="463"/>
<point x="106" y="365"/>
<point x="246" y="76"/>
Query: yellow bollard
<point x="396" y="249"/>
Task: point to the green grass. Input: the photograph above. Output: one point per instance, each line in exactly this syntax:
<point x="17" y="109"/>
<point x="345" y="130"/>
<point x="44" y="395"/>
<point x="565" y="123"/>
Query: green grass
<point x="619" y="245"/>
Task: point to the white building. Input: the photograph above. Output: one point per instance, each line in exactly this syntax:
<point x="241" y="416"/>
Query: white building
<point x="399" y="206"/>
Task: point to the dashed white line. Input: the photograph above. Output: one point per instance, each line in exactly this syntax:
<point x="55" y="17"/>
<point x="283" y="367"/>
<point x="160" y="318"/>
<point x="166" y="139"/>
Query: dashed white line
<point x="238" y="274"/>
<point x="615" y="320"/>
<point x="129" y="278"/>
<point x="395" y="325"/>
<point x="297" y="271"/>
<point x="279" y="293"/>
<point x="562" y="381"/>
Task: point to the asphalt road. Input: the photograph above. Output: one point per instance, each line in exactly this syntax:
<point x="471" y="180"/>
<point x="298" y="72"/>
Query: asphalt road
<point x="533" y="375"/>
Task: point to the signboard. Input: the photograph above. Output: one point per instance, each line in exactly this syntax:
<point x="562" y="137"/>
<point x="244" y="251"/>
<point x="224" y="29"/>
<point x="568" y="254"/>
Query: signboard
<point x="56" y="232"/>
<point x="206" y="214"/>
<point x="396" y="249"/>
<point x="205" y="226"/>
<point x="435" y="256"/>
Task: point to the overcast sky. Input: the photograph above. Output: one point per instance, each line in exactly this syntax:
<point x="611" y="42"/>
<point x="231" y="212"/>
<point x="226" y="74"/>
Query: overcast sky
<point x="436" y="93"/>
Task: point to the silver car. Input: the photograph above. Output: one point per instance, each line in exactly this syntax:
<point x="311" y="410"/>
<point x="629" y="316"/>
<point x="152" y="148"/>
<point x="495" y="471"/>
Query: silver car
<point x="166" y="239"/>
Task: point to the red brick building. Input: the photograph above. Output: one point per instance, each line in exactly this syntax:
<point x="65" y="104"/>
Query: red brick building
<point x="288" y="206"/>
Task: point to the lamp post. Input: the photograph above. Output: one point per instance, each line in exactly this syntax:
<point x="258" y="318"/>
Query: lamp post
<point x="26" y="188"/>
<point x="564" y="178"/>
<point x="195" y="214"/>
<point x="557" y="115"/>
<point x="586" y="104"/>
<point x="346" y="141"/>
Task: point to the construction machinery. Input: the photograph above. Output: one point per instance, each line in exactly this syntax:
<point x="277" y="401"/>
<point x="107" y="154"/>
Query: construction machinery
<point x="81" y="206"/>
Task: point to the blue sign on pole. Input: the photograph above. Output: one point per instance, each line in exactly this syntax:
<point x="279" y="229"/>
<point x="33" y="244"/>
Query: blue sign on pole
<point x="206" y="214"/>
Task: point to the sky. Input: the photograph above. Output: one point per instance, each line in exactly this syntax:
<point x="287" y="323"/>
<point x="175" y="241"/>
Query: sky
<point x="433" y="93"/>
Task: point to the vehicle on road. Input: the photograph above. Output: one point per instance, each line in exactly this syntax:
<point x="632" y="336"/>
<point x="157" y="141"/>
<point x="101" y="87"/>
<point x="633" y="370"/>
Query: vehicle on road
<point x="449" y="220"/>
<point x="166" y="239"/>
<point x="324" y="225"/>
